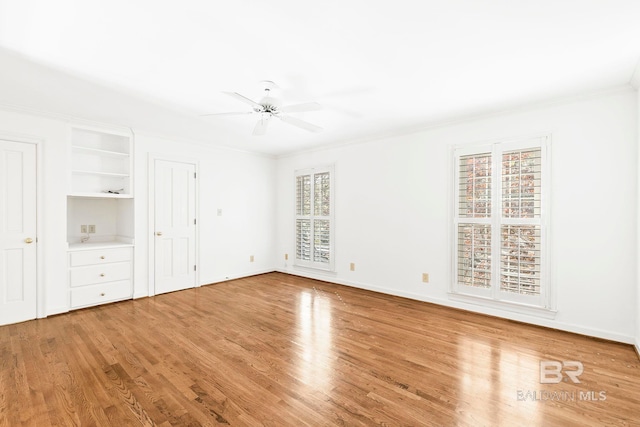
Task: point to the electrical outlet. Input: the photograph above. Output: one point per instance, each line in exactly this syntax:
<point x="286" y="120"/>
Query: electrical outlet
<point x="251" y="258"/>
<point x="286" y="257"/>
<point x="83" y="228"/>
<point x="352" y="266"/>
<point x="425" y="277"/>
<point x="92" y="228"/>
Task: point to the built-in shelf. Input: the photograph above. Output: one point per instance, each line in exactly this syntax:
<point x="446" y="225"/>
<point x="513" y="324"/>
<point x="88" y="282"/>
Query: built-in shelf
<point x="101" y="161"/>
<point x="88" y="246"/>
<point x="101" y="195"/>
<point x="101" y="262"/>
<point x="99" y="152"/>
<point x="98" y="173"/>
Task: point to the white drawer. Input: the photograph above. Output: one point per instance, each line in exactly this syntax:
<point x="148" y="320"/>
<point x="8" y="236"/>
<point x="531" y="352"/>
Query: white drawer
<point x="95" y="274"/>
<point x="100" y="256"/>
<point x="99" y="294"/>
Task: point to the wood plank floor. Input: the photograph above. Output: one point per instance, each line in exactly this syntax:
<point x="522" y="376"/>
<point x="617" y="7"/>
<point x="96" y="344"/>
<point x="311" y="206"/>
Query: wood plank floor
<point x="279" y="350"/>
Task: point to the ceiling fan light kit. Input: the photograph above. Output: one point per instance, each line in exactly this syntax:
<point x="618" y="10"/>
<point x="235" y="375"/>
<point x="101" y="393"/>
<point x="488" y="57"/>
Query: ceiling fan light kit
<point x="271" y="106"/>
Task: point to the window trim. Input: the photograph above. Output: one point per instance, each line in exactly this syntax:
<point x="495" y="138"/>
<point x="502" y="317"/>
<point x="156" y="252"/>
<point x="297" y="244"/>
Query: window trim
<point x="494" y="297"/>
<point x="315" y="265"/>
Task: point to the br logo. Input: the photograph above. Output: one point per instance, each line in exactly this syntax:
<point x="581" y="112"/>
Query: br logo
<point x="551" y="371"/>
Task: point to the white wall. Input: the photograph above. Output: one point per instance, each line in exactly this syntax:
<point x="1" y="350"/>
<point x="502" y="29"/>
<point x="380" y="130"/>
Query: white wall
<point x="239" y="183"/>
<point x="242" y="184"/>
<point x="102" y="213"/>
<point x="393" y="204"/>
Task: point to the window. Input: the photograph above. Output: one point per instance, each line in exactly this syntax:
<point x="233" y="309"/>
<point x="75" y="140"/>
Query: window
<point x="314" y="218"/>
<point x="500" y="222"/>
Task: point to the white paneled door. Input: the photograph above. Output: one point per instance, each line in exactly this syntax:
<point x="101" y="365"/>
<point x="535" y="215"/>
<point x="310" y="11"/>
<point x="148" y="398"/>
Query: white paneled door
<point x="17" y="232"/>
<point x="175" y="226"/>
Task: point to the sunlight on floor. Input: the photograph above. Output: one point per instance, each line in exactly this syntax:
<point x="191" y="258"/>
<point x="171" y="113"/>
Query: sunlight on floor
<point x="315" y="339"/>
<point x="492" y="375"/>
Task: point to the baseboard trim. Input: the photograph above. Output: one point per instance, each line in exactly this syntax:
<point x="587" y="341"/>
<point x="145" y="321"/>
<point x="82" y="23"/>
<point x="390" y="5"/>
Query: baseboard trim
<point x="237" y="276"/>
<point x="547" y="323"/>
<point x="56" y="310"/>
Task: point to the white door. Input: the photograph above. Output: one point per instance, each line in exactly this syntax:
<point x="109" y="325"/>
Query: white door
<point x="17" y="232"/>
<point x="175" y="226"/>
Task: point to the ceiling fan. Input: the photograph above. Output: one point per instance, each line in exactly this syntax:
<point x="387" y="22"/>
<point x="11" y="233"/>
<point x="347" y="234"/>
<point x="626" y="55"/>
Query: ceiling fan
<point x="270" y="106"/>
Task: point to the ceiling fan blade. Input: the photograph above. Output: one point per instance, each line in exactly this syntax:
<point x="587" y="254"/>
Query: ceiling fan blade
<point x="261" y="127"/>
<point x="299" y="108"/>
<point x="228" y="114"/>
<point x="244" y="99"/>
<point x="300" y="123"/>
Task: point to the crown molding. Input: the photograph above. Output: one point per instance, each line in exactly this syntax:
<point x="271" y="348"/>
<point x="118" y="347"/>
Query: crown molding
<point x="80" y="121"/>
<point x="61" y="117"/>
<point x="465" y="118"/>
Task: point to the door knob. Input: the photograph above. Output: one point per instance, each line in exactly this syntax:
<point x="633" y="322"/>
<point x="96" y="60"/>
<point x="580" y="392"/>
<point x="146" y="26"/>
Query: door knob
<point x="159" y="233"/>
<point x="28" y="240"/>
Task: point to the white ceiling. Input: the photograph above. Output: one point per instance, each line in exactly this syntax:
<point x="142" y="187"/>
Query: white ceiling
<point x="377" y="67"/>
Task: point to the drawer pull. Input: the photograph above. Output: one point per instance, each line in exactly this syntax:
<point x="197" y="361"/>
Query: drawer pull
<point x="101" y="274"/>
<point x="102" y="257"/>
<point x="102" y="294"/>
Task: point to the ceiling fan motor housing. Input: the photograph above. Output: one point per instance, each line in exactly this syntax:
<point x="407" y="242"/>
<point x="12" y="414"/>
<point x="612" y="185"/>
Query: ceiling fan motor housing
<point x="270" y="104"/>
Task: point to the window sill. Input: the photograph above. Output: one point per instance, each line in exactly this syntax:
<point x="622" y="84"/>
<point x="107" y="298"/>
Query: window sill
<point x="514" y="307"/>
<point x="325" y="271"/>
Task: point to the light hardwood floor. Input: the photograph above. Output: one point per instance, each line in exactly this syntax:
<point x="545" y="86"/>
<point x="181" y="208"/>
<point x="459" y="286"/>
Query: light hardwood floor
<point x="280" y="350"/>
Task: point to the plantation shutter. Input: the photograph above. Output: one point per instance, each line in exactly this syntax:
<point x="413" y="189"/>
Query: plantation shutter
<point x="520" y="233"/>
<point x="474" y="204"/>
<point x="314" y="230"/>
<point x="499" y="221"/>
<point x="303" y="217"/>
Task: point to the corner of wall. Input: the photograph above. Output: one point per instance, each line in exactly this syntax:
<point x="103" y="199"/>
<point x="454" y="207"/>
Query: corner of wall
<point x="635" y="82"/>
<point x="635" y="78"/>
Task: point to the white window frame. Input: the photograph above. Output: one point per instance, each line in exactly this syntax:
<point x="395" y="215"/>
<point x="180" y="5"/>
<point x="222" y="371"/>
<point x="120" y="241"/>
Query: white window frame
<point x="494" y="297"/>
<point x="330" y="266"/>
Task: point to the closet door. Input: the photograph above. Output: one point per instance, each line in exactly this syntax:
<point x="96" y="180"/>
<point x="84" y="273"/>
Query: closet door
<point x="175" y="226"/>
<point x="17" y="232"/>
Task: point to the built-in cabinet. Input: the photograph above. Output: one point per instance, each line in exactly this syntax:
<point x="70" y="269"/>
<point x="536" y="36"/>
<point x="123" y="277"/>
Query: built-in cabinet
<point x="100" y="216"/>
<point x="99" y="274"/>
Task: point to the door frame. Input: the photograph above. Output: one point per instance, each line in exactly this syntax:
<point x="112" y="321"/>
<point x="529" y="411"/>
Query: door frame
<point x="151" y="203"/>
<point x="41" y="307"/>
